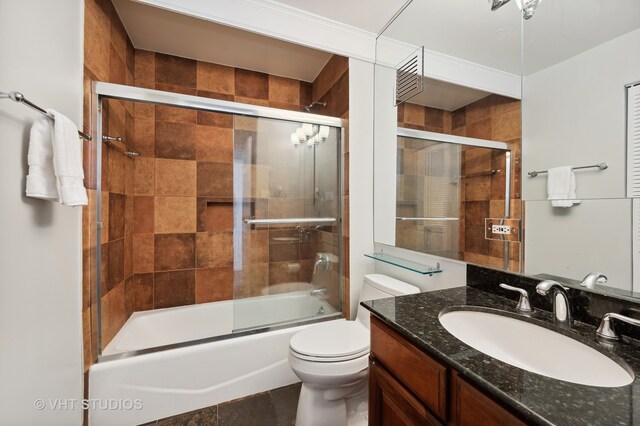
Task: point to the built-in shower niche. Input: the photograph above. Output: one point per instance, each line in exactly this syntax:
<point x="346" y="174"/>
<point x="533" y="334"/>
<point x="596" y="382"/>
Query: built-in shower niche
<point x="176" y="222"/>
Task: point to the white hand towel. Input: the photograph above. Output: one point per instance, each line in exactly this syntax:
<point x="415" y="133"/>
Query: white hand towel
<point x="561" y="187"/>
<point x="67" y="161"/>
<point x="41" y="180"/>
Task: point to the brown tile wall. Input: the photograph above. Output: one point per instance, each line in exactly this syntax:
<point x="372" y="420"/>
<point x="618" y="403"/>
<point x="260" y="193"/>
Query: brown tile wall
<point x="494" y="118"/>
<point x="167" y="235"/>
<point x="186" y="181"/>
<point x="109" y="56"/>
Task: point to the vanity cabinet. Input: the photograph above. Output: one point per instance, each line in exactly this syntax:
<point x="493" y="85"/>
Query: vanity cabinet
<point x="409" y="387"/>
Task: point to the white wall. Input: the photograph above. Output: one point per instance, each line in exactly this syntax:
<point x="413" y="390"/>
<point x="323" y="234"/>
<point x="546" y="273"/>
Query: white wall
<point x="574" y="114"/>
<point x="360" y="175"/>
<point x="592" y="236"/>
<point x="40" y="242"/>
<point x="385" y="156"/>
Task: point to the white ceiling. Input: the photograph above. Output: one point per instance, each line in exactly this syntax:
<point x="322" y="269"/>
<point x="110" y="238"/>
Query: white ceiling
<point x="465" y="29"/>
<point x="446" y="96"/>
<point x="562" y="29"/>
<point x="171" y="33"/>
<point x="368" y="15"/>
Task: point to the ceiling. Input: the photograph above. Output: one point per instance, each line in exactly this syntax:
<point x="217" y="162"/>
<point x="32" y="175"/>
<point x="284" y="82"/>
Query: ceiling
<point x="559" y="30"/>
<point x="465" y="29"/>
<point x="368" y="15"/>
<point x="562" y="29"/>
<point x="446" y="96"/>
<point x="158" y="30"/>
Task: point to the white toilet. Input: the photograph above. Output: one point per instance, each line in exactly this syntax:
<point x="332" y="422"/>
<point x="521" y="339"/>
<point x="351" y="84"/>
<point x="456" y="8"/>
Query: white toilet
<point x="332" y="358"/>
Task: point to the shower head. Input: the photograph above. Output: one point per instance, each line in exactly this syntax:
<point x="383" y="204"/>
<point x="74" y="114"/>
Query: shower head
<point x="307" y="108"/>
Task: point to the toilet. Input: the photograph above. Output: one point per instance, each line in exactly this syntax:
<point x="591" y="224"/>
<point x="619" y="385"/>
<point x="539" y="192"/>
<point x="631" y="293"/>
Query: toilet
<point x="331" y="359"/>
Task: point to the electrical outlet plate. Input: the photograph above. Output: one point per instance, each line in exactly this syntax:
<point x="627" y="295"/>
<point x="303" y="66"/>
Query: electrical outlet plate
<point x="502" y="229"/>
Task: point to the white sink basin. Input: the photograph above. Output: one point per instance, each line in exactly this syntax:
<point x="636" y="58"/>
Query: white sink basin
<point x="535" y="348"/>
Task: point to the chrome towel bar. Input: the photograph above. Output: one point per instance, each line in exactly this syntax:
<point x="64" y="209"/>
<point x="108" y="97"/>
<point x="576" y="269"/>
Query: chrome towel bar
<point x="600" y="166"/>
<point x="19" y="98"/>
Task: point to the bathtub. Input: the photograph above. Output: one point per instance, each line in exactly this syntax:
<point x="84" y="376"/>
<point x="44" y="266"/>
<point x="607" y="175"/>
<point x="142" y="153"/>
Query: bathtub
<point x="211" y="368"/>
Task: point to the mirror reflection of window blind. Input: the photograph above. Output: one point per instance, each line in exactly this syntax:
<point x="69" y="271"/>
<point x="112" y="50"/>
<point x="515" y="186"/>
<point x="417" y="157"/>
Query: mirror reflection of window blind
<point x="633" y="141"/>
<point x="633" y="173"/>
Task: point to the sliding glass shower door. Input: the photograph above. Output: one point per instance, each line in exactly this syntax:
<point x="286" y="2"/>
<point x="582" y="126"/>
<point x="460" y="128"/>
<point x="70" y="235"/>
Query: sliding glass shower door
<point x="286" y="221"/>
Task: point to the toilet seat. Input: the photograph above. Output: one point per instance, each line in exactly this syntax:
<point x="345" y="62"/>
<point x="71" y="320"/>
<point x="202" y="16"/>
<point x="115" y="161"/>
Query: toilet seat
<point x="333" y="341"/>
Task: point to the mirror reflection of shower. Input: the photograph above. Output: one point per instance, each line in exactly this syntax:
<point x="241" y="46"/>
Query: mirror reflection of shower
<point x="309" y="135"/>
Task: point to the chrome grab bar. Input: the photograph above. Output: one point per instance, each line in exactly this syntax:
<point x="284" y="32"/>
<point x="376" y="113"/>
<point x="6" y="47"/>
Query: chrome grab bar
<point x="290" y="220"/>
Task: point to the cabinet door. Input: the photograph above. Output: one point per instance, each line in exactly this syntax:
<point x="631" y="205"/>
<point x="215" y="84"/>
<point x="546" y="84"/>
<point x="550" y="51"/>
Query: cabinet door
<point x="391" y="404"/>
<point x="422" y="375"/>
<point x="470" y="407"/>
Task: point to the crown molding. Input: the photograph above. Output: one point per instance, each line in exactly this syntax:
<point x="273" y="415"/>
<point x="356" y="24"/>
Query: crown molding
<point x="279" y="21"/>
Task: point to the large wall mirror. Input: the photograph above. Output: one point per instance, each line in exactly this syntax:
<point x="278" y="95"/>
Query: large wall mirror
<point x="448" y="159"/>
<point x="572" y="71"/>
<point x="580" y="64"/>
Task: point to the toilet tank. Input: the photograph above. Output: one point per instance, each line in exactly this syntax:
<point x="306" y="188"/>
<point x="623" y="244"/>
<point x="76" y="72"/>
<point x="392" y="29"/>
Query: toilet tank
<point x="378" y="286"/>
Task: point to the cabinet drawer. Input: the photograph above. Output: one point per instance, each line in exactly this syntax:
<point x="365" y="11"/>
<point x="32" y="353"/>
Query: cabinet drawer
<point x="420" y="373"/>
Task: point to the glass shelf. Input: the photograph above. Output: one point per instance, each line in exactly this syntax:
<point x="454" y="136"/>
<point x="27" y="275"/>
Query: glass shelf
<point x="405" y="264"/>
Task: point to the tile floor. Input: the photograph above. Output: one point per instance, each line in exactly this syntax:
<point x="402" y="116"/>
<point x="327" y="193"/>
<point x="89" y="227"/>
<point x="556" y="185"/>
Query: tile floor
<point x="276" y="407"/>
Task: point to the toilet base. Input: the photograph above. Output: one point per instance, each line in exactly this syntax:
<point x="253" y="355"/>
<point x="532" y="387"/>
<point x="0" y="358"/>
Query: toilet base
<point x="346" y="406"/>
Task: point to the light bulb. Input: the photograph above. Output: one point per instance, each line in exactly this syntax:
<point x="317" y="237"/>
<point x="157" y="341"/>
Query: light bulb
<point x="307" y="129"/>
<point x="323" y="133"/>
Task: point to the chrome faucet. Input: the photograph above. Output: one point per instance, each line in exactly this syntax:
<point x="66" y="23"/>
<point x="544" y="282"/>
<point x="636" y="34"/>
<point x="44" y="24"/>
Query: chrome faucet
<point x="592" y="279"/>
<point x="523" y="303"/>
<point x="561" y="307"/>
<point x="606" y="330"/>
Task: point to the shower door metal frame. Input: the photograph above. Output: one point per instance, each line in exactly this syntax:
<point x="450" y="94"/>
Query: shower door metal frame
<point x="101" y="91"/>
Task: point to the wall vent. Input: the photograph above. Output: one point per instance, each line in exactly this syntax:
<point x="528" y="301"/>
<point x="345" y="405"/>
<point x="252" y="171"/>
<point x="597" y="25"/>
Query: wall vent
<point x="409" y="76"/>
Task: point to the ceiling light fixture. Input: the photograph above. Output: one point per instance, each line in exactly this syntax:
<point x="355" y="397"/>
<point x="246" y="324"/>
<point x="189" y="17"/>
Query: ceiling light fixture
<point x="310" y="135"/>
<point x="528" y="7"/>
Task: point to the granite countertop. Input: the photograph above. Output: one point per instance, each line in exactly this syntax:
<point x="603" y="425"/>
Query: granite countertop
<point x="537" y="399"/>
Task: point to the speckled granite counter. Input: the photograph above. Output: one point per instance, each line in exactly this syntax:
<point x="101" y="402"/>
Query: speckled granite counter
<point x="537" y="399"/>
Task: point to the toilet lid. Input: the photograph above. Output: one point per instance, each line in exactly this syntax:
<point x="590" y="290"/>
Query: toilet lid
<point x="334" y="339"/>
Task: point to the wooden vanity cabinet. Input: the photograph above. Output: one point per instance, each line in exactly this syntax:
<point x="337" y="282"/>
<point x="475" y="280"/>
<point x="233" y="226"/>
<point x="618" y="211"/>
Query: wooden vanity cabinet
<point x="409" y="387"/>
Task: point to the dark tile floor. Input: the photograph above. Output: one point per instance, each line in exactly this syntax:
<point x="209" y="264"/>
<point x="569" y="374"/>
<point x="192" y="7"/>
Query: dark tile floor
<point x="276" y="407"/>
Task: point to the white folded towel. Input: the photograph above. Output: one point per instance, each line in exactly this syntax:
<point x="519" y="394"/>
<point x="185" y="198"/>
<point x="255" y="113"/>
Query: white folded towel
<point x="561" y="187"/>
<point x="41" y="180"/>
<point x="67" y="161"/>
<point x="55" y="161"/>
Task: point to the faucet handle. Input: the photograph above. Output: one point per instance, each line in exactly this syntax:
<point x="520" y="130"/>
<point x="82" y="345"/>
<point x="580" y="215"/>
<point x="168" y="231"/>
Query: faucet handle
<point x="592" y="279"/>
<point x="523" y="303"/>
<point x="606" y="330"/>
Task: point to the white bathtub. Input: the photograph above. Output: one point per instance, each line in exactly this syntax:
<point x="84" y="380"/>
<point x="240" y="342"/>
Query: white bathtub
<point x="174" y="381"/>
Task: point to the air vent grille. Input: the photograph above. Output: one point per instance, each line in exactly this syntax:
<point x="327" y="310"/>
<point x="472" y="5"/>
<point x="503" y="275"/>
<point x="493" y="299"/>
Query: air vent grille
<point x="409" y="73"/>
